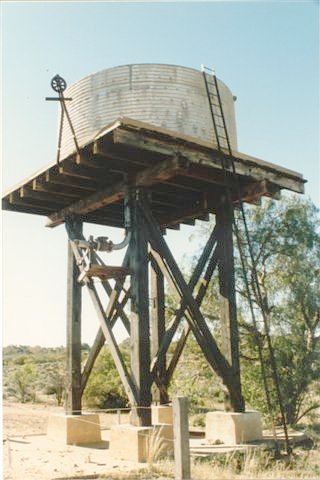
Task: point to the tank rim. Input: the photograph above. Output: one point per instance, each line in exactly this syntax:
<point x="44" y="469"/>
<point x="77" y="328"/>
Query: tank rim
<point x="142" y="63"/>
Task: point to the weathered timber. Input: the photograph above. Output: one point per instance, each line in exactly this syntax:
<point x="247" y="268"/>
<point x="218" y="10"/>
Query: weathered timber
<point x="205" y="281"/>
<point x="69" y="191"/>
<point x="254" y="191"/>
<point x="107" y="287"/>
<point x="200" y="152"/>
<point x="172" y="328"/>
<point x="113" y="311"/>
<point x="106" y="271"/>
<point x="129" y="146"/>
<point x="122" y="304"/>
<point x="157" y="319"/>
<point x="56" y="177"/>
<point x="6" y="205"/>
<point x="126" y="379"/>
<point x="73" y="390"/>
<point x="228" y="317"/>
<point x="181" y="439"/>
<point x="79" y="171"/>
<point x="100" y="338"/>
<point x="15" y="199"/>
<point x="116" y="192"/>
<point x="196" y="320"/>
<point x="48" y="198"/>
<point x="245" y="165"/>
<point x="228" y="309"/>
<point x="182" y="215"/>
<point x="140" y="323"/>
<point x="92" y="161"/>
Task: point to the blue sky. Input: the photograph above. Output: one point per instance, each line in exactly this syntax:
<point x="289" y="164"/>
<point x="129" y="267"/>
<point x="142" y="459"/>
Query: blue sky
<point x="266" y="52"/>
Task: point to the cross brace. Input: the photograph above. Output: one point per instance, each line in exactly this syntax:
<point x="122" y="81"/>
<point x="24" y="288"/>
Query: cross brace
<point x="144" y="370"/>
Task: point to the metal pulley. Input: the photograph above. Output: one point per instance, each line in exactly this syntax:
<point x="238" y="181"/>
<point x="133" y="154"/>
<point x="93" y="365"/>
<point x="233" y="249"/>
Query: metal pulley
<point x="58" y="84"/>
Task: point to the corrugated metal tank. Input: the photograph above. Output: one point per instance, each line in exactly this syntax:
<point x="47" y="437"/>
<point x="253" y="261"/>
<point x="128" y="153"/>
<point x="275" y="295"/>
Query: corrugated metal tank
<point x="167" y="96"/>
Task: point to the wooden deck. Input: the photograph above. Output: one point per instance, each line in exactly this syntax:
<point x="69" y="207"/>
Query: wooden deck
<point x="183" y="175"/>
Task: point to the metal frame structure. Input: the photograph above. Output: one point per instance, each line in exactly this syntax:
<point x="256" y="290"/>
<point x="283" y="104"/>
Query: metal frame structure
<point x="157" y="180"/>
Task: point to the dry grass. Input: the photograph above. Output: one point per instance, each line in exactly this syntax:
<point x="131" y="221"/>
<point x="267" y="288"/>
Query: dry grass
<point x="158" y="446"/>
<point x="259" y="465"/>
<point x="252" y="465"/>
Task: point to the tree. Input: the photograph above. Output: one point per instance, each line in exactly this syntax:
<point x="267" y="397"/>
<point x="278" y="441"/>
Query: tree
<point x="195" y="379"/>
<point x="286" y="249"/>
<point x="104" y="388"/>
<point x="56" y="385"/>
<point x="22" y="383"/>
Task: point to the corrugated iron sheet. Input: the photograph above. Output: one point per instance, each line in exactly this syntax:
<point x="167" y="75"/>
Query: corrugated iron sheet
<point x="166" y="96"/>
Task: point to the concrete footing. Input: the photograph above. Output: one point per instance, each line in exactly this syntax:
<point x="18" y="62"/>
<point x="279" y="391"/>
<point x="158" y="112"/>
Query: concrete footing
<point x="140" y="444"/>
<point x="74" y="429"/>
<point x="233" y="428"/>
<point x="161" y="414"/>
<point x="128" y="442"/>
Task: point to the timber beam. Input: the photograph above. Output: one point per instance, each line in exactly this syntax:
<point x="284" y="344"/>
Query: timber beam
<point x="197" y="323"/>
<point x="114" y="193"/>
<point x="106" y="327"/>
<point x="113" y="312"/>
<point x="140" y="139"/>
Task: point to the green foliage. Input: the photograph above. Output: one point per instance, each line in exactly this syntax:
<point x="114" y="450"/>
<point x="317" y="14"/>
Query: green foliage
<point x="47" y="366"/>
<point x="286" y="248"/>
<point x="194" y="378"/>
<point x="286" y="244"/>
<point x="56" y="385"/>
<point x="22" y="383"/>
<point x="104" y="389"/>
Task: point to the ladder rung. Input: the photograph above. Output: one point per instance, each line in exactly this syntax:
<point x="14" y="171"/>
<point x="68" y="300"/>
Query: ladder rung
<point x="203" y="68"/>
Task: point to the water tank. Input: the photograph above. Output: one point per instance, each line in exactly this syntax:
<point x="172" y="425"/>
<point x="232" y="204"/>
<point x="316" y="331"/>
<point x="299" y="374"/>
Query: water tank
<point x="167" y="96"/>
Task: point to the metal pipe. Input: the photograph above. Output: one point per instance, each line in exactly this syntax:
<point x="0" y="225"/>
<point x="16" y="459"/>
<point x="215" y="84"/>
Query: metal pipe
<point x="103" y="244"/>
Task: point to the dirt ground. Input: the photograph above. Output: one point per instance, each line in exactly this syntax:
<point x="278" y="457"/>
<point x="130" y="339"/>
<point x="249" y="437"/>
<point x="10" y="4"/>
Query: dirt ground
<point x="29" y="455"/>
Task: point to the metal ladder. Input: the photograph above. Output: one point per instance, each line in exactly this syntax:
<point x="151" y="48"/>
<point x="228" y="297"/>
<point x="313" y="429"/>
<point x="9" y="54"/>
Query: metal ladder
<point x="216" y="110"/>
<point x="227" y="159"/>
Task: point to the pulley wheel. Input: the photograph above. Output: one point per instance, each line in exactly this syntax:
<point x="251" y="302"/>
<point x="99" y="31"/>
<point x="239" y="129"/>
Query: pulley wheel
<point x="58" y="84"/>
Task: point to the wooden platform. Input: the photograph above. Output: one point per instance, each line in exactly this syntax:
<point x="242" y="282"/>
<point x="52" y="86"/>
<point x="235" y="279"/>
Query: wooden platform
<point x="183" y="174"/>
<point x="107" y="271"/>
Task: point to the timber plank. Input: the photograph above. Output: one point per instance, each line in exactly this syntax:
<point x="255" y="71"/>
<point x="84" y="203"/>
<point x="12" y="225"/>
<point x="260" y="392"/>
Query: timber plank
<point x="126" y="148"/>
<point x="117" y="191"/>
<point x="209" y="157"/>
<point x="107" y="271"/>
<point x="127" y="381"/>
<point x="199" y="327"/>
<point x="112" y="312"/>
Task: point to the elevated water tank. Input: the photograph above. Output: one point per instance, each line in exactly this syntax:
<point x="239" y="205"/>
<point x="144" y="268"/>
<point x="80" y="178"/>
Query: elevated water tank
<point x="167" y="96"/>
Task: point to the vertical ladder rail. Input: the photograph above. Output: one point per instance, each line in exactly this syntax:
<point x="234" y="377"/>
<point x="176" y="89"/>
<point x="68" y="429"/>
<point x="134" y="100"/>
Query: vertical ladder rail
<point x="214" y="94"/>
<point x="206" y="72"/>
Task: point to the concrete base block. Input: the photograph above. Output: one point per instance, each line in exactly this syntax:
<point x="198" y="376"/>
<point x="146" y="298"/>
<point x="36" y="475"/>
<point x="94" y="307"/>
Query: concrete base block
<point x="140" y="444"/>
<point x="161" y="414"/>
<point x="74" y="429"/>
<point x="128" y="442"/>
<point x="233" y="428"/>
